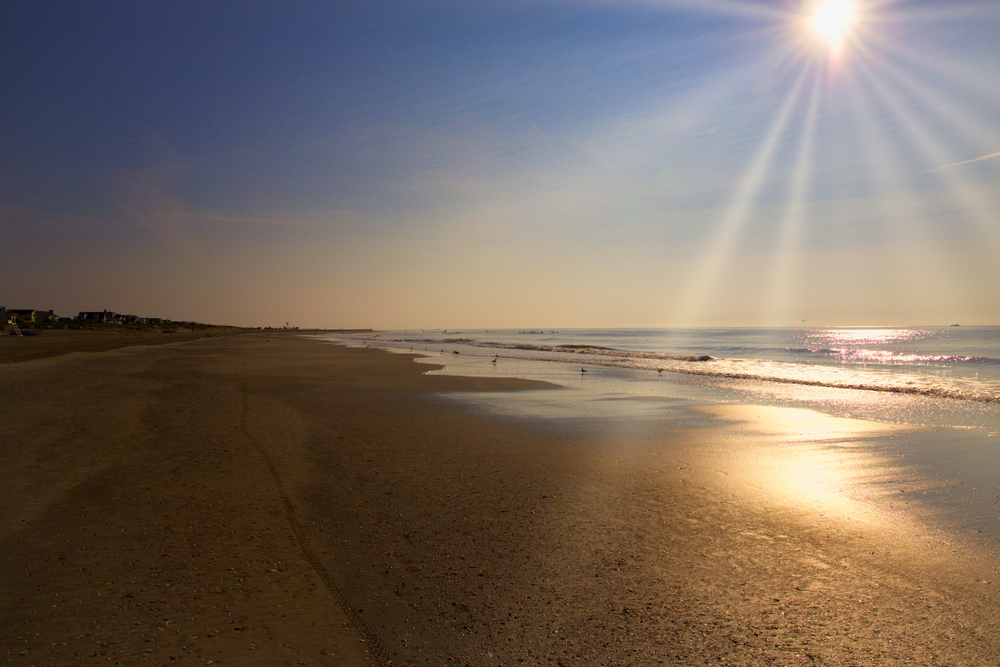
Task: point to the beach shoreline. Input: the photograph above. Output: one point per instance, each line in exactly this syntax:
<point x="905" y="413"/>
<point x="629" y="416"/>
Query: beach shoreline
<point x="268" y="499"/>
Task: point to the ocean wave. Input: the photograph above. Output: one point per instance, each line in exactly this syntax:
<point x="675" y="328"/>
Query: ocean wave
<point x="594" y="350"/>
<point x="796" y="374"/>
<point x="889" y="357"/>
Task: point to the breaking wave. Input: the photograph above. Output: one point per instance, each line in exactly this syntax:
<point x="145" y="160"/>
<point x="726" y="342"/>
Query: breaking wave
<point x="594" y="350"/>
<point x="796" y="374"/>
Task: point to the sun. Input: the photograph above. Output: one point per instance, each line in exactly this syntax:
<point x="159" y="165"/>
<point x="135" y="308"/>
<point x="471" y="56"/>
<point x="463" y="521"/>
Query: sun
<point x="832" y="21"/>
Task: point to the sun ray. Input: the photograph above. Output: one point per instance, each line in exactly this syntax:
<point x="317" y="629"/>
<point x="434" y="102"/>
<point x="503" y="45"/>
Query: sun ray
<point x="794" y="217"/>
<point x="908" y="227"/>
<point x="949" y="111"/>
<point x="720" y="246"/>
<point x="685" y="116"/>
<point x="734" y="8"/>
<point x="945" y="12"/>
<point x="973" y="80"/>
<point x="852" y="56"/>
<point x="971" y="204"/>
<point x="934" y="152"/>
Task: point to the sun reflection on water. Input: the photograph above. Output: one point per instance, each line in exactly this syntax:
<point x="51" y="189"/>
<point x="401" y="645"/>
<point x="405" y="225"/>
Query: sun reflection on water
<point x="874" y="346"/>
<point x="866" y="336"/>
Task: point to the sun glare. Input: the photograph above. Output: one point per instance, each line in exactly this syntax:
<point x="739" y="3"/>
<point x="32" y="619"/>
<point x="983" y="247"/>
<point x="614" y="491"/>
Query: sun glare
<point x="832" y="20"/>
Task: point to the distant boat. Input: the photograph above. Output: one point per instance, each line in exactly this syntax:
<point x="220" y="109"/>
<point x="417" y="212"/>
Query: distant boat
<point x="956" y="325"/>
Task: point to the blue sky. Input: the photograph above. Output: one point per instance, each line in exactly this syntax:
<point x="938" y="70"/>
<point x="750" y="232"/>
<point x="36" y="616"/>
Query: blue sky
<point x="516" y="164"/>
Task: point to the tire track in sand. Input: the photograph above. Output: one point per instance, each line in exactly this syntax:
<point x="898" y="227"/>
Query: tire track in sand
<point x="375" y="649"/>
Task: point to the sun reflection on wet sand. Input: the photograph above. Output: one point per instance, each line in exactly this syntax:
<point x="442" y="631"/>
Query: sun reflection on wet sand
<point x="880" y="475"/>
<point x="910" y="484"/>
<point x="832" y="466"/>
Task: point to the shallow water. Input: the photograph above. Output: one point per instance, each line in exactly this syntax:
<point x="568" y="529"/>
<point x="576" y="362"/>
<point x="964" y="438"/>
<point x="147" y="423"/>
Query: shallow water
<point x="948" y="468"/>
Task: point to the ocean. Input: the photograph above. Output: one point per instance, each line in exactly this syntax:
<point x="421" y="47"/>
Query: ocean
<point x="945" y="380"/>
<point x="921" y="376"/>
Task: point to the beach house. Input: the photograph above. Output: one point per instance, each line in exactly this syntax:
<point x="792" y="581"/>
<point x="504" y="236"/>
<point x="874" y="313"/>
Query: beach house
<point x="103" y="316"/>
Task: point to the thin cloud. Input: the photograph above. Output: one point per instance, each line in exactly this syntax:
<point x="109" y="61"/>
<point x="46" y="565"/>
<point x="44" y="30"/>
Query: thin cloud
<point x="985" y="157"/>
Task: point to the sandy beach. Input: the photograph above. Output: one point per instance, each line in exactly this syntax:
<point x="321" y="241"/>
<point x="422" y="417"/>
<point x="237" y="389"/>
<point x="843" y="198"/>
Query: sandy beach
<point x="265" y="499"/>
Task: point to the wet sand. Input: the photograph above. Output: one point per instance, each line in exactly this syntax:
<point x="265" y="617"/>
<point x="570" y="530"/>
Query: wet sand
<point x="270" y="500"/>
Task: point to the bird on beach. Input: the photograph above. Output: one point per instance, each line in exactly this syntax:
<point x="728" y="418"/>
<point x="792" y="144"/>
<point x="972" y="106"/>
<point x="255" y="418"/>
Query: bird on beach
<point x="583" y="370"/>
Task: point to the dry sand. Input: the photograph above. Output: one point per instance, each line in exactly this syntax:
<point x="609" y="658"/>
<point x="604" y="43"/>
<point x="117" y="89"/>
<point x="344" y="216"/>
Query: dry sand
<point x="269" y="500"/>
<point x="40" y="344"/>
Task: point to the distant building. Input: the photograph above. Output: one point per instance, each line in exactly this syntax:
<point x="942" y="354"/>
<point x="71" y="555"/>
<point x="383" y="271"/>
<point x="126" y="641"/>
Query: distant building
<point x="105" y="316"/>
<point x="111" y="317"/>
<point x="26" y="316"/>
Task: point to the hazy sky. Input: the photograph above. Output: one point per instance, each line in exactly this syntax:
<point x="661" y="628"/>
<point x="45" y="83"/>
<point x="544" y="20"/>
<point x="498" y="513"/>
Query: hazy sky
<point x="454" y="164"/>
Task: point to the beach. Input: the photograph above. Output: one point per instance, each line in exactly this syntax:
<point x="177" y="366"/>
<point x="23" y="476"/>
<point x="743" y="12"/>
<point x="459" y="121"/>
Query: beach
<point x="265" y="499"/>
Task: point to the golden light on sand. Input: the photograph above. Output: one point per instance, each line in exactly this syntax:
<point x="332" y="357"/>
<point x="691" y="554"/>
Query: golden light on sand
<point x="832" y="21"/>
